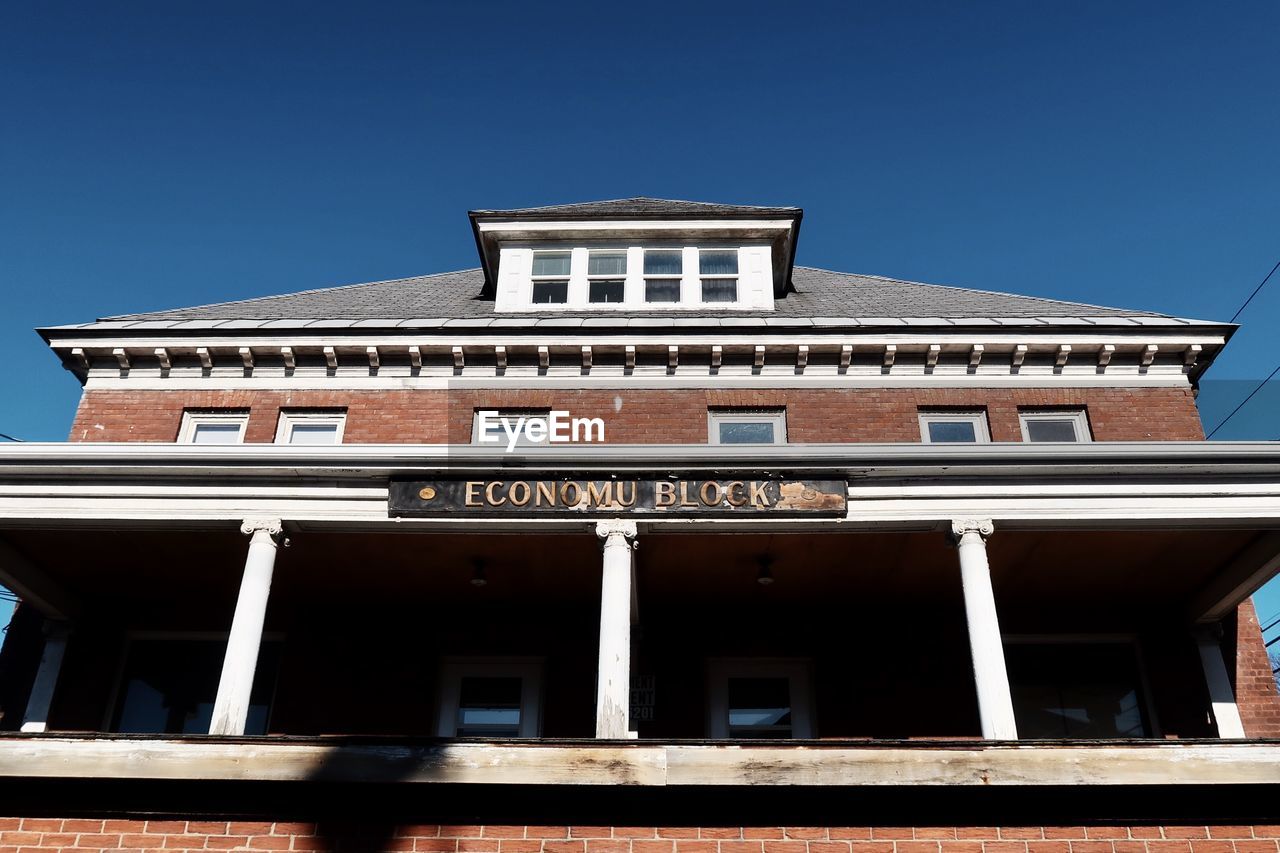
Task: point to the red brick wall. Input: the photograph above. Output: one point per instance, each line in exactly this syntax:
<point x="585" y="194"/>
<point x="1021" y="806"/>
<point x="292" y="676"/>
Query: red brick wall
<point x="645" y="416"/>
<point x="18" y="835"/>
<point x="1256" y="693"/>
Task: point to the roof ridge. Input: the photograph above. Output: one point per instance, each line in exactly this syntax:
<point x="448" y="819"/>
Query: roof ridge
<point x="979" y="291"/>
<point x="271" y="296"/>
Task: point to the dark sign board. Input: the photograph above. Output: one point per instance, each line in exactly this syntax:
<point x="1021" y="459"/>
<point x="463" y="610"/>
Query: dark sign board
<point x="654" y="496"/>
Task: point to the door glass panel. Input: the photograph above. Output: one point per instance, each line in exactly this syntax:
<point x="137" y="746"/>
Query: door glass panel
<point x="759" y="707"/>
<point x="489" y="707"/>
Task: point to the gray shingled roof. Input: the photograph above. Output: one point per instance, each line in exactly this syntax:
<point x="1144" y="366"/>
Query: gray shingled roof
<point x="818" y="294"/>
<point x="660" y="208"/>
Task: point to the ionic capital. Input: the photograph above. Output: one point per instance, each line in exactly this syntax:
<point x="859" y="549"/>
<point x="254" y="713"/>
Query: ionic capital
<point x="273" y="527"/>
<point x="984" y="527"/>
<point x="625" y="531"/>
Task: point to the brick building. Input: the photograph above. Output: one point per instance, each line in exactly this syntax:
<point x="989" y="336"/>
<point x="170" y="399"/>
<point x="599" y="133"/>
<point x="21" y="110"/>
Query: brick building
<point x="639" y="538"/>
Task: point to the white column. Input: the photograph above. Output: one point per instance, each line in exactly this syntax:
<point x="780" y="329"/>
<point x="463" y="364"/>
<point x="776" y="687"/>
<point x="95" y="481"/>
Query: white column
<point x="231" y="707"/>
<point x="1226" y="714"/>
<point x="36" y="718"/>
<point x="613" y="677"/>
<point x="995" y="703"/>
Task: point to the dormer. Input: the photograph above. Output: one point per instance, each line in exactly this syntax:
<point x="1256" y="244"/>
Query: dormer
<point x="637" y="255"/>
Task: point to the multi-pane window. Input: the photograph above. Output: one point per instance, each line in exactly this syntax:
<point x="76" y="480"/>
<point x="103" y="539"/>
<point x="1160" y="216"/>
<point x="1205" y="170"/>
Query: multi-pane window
<point x="551" y="277"/>
<point x="1054" y="425"/>
<point x="663" y="269"/>
<point x="310" y="428"/>
<point x="762" y="698"/>
<point x="168" y="686"/>
<point x="954" y="428"/>
<point x="718" y="270"/>
<point x="747" y="426"/>
<point x="606" y="276"/>
<point x="213" y="427"/>
<point x="1076" y="690"/>
<point x="489" y="698"/>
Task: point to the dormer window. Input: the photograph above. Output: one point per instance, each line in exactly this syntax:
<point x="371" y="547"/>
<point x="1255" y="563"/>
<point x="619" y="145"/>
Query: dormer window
<point x="607" y="276"/>
<point x="663" y="269"/>
<point x="551" y="277"/>
<point x="718" y="269"/>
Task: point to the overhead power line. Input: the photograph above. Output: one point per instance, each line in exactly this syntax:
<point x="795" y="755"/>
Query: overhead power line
<point x="1256" y="290"/>
<point x="1256" y="389"/>
<point x="9" y="437"/>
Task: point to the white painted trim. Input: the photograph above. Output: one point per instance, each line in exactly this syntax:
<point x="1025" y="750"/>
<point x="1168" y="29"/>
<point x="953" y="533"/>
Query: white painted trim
<point x="454" y="669"/>
<point x="976" y="417"/>
<point x="291" y="418"/>
<point x="797" y="672"/>
<point x="679" y="227"/>
<point x="1222" y="699"/>
<point x="192" y="420"/>
<point x="1078" y="419"/>
<point x="775" y="416"/>
<point x="43" y="689"/>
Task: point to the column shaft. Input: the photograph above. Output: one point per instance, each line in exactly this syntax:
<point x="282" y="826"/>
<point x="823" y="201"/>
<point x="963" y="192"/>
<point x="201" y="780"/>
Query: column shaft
<point x="613" y="677"/>
<point x="991" y="678"/>
<point x="36" y="717"/>
<point x="1226" y="714"/>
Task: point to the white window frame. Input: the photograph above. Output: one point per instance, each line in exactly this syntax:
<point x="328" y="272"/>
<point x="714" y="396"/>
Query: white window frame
<point x="192" y="420"/>
<point x="515" y="412"/>
<point x="736" y="277"/>
<point x="1121" y="639"/>
<point x="1078" y="418"/>
<point x="981" y="432"/>
<point x="797" y="671"/>
<point x="646" y="277"/>
<point x="528" y="670"/>
<point x="567" y="278"/>
<point x="716" y="417"/>
<point x="622" y="278"/>
<point x="289" y="420"/>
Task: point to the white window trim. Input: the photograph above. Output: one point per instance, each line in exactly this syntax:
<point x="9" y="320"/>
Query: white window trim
<point x="1078" y="418"/>
<point x="192" y="420"/>
<point x="528" y="670"/>
<point x="1131" y="640"/>
<point x="982" y="435"/>
<point x="289" y="420"/>
<point x="778" y="417"/>
<point x="514" y="412"/>
<point x="735" y="277"/>
<point x="795" y="670"/>
<point x="618" y="277"/>
<point x="567" y="279"/>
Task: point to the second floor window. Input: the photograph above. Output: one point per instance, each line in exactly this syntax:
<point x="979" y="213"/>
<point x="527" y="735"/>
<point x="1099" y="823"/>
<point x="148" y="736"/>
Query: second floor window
<point x="1076" y="688"/>
<point x="551" y="277"/>
<point x="747" y="426"/>
<point x="754" y="699"/>
<point x="310" y="428"/>
<point x="489" y="698"/>
<point x="663" y="269"/>
<point x="213" y="427"/>
<point x="1054" y="425"/>
<point x="944" y="427"/>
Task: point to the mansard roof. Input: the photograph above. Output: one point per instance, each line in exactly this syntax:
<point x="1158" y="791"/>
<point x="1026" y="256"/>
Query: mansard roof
<point x="642" y="207"/>
<point x="821" y="297"/>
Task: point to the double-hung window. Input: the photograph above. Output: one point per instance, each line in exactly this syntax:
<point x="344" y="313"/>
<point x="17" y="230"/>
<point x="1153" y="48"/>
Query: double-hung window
<point x="551" y="278"/>
<point x="747" y="426"/>
<point x="663" y="269"/>
<point x="943" y="427"/>
<point x="754" y="699"/>
<point x="718" y="271"/>
<point x="490" y="698"/>
<point x="1054" y="425"/>
<point x="310" y="427"/>
<point x="225" y="427"/>
<point x="606" y="276"/>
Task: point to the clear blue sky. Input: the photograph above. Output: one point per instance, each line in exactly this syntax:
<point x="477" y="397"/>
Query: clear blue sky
<point x="155" y="154"/>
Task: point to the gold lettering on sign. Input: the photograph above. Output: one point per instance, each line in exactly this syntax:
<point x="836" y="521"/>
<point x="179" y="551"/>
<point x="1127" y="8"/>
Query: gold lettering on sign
<point x="736" y="494"/>
<point x="599" y="494"/>
<point x="519" y="493"/>
<point x="664" y="493"/>
<point x="546" y="492"/>
<point x="565" y="500"/>
<point x="622" y="498"/>
<point x="473" y="496"/>
<point x="759" y="498"/>
<point x="489" y="494"/>
<point x="684" y="495"/>
<point x="711" y="494"/>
